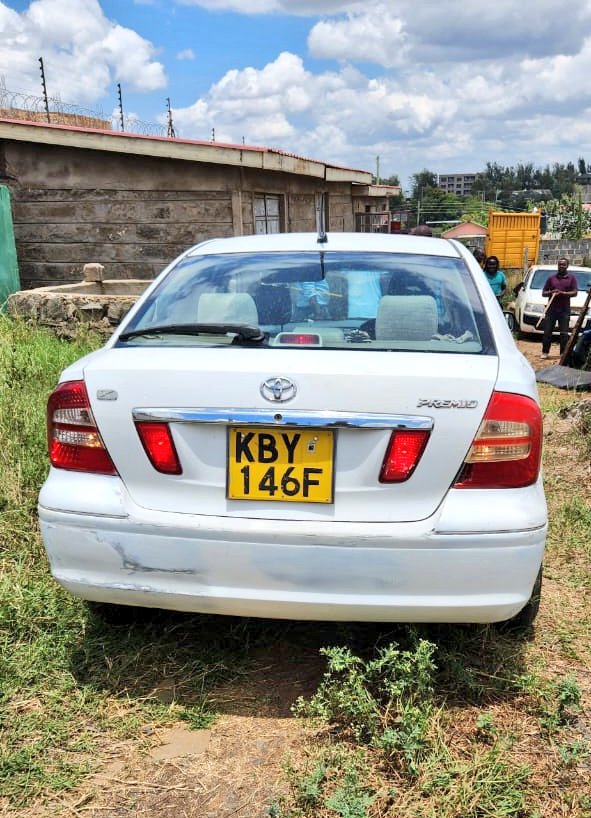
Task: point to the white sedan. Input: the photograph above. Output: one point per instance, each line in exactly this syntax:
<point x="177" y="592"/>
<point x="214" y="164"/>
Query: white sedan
<point x="530" y="304"/>
<point x="302" y="426"/>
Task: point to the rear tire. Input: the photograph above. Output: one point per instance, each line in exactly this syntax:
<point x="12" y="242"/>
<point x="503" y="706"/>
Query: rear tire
<point x="510" y="320"/>
<point x="112" y="614"/>
<point x="524" y="620"/>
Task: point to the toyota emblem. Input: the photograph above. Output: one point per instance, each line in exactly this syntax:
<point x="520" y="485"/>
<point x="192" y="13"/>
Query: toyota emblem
<point x="278" y="390"/>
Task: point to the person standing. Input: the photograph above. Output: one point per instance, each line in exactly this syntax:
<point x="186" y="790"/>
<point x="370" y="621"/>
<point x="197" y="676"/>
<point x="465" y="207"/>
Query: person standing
<point x="479" y="255"/>
<point x="560" y="287"/>
<point x="495" y="277"/>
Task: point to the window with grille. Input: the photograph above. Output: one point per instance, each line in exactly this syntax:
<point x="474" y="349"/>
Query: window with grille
<point x="267" y="214"/>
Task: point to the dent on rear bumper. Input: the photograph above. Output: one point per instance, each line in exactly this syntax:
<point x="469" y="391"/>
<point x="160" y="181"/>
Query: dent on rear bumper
<point x="276" y="571"/>
<point x="461" y="565"/>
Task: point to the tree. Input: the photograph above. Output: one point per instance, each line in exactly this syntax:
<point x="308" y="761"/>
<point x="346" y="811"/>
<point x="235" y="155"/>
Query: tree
<point x="502" y="185"/>
<point x="423" y="181"/>
<point x="475" y="210"/>
<point x="389" y="180"/>
<point x="567" y="216"/>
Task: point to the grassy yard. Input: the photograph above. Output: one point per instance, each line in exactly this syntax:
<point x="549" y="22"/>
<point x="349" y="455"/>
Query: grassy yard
<point x="459" y="722"/>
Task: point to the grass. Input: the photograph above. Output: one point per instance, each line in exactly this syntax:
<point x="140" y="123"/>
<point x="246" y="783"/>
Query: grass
<point x="67" y="681"/>
<point x="502" y="722"/>
<point x="406" y="721"/>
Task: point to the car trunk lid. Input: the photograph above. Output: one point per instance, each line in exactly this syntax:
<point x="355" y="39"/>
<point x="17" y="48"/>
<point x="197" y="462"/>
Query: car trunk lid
<point x="355" y="399"/>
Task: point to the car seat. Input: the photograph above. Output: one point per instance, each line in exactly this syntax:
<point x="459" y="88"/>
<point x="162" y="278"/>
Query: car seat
<point x="227" y="308"/>
<point x="273" y="303"/>
<point x="406" y="318"/>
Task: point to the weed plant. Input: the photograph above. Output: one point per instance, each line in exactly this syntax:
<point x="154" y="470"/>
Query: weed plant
<point x="383" y="702"/>
<point x="393" y="748"/>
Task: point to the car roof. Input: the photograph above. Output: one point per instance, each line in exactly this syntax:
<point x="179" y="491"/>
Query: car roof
<point x="353" y="242"/>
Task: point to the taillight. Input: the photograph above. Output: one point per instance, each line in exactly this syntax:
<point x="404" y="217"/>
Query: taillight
<point x="404" y="452"/>
<point x="73" y="439"/>
<point x="507" y="449"/>
<point x="159" y="446"/>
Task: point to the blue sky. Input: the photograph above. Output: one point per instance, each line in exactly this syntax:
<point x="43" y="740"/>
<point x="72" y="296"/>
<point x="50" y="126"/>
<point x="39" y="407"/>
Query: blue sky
<point x="444" y="85"/>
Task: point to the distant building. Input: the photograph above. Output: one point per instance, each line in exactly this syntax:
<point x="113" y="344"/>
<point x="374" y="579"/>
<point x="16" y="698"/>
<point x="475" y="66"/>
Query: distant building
<point x="458" y="183"/>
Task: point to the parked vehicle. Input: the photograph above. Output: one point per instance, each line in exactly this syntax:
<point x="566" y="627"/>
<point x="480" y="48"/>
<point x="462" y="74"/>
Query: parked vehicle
<point x="530" y="305"/>
<point x="297" y="426"/>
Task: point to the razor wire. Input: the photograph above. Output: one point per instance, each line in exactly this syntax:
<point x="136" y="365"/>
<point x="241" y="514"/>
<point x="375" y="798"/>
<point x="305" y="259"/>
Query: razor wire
<point x="29" y="107"/>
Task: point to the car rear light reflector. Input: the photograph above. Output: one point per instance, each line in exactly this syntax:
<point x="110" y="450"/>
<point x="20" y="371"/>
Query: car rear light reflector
<point x="73" y="440"/>
<point x="404" y="452"/>
<point x="506" y="451"/>
<point x="159" y="446"/>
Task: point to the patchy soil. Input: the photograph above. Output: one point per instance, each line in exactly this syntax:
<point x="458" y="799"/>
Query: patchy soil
<point x="232" y="769"/>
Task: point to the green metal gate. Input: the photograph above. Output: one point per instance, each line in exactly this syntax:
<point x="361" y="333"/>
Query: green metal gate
<point x="9" y="277"/>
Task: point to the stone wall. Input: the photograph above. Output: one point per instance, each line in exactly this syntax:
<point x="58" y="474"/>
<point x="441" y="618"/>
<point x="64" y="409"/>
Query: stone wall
<point x="100" y="304"/>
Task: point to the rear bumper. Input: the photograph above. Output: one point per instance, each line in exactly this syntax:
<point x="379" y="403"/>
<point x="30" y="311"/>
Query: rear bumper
<point x="292" y="569"/>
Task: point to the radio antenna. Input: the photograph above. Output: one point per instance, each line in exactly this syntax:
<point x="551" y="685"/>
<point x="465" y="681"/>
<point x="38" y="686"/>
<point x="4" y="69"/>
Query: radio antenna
<point x="322" y="237"/>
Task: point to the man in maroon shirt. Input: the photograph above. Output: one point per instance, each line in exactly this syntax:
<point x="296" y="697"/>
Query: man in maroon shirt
<point x="559" y="288"/>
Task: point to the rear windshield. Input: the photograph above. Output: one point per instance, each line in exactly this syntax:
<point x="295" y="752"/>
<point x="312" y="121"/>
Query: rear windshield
<point x="334" y="300"/>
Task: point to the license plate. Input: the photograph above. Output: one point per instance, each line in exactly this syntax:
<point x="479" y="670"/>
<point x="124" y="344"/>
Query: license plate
<point x="287" y="465"/>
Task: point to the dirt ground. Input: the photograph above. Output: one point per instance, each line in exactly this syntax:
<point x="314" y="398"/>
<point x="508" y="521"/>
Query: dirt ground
<point x="532" y="349"/>
<point x="234" y="768"/>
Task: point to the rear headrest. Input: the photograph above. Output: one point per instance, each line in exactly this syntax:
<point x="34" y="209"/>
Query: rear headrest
<point x="406" y="318"/>
<point x="227" y="308"/>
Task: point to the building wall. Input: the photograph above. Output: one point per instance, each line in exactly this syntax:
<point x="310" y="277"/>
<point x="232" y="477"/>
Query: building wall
<point x="134" y="214"/>
<point x="577" y="251"/>
<point x="458" y="183"/>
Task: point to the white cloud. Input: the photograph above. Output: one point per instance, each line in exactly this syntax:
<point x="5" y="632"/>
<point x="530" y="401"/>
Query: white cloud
<point x="452" y="116"/>
<point x="295" y="7"/>
<point x="361" y="38"/>
<point x="285" y="105"/>
<point x="186" y="54"/>
<point x="83" y="52"/>
<point x="449" y="30"/>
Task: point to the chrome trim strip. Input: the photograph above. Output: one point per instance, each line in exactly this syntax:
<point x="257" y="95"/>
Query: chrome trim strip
<point x="268" y="417"/>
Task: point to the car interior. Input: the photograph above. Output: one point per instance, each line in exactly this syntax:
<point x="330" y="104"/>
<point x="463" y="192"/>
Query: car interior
<point x="324" y="300"/>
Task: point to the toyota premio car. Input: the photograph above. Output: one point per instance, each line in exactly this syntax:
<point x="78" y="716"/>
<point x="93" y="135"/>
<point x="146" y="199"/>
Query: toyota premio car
<point x="530" y="304"/>
<point x="303" y="426"/>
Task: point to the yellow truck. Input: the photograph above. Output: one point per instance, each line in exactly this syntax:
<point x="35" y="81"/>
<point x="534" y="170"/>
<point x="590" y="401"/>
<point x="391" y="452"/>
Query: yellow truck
<point x="514" y="238"/>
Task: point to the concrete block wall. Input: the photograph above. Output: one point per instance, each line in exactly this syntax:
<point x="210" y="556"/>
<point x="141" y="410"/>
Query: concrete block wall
<point x="577" y="251"/>
<point x="134" y="234"/>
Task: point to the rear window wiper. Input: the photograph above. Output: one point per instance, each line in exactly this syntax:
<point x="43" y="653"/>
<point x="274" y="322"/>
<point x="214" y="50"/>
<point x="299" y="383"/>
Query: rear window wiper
<point x="244" y="332"/>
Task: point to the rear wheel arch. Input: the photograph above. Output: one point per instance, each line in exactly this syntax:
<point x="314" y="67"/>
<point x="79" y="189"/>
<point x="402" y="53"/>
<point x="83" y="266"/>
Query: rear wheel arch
<point x="524" y="620"/>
